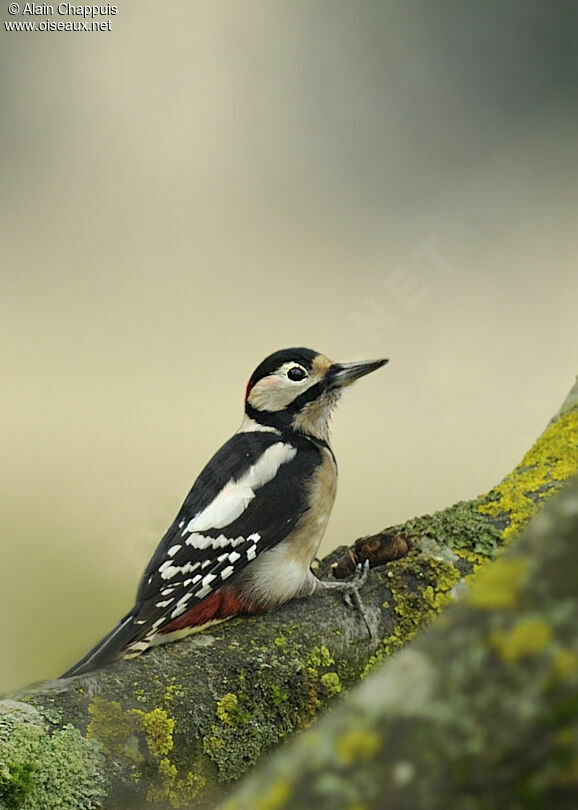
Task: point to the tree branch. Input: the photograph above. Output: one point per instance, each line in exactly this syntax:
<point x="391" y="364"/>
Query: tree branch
<point x="177" y="726"/>
<point x="479" y="712"/>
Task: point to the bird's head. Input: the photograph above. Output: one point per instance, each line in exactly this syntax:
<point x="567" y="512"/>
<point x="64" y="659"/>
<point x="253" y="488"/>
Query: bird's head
<point x="298" y="388"/>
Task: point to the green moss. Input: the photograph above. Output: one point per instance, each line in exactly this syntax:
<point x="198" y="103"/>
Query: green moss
<point x="40" y="770"/>
<point x="551" y="461"/>
<point x="475" y="531"/>
<point x="277" y="694"/>
<point x="285" y="692"/>
<point x="461" y="526"/>
<point x="16" y="783"/>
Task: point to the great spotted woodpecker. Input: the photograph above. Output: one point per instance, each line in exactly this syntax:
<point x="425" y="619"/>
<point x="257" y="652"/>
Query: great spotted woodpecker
<point x="246" y="535"/>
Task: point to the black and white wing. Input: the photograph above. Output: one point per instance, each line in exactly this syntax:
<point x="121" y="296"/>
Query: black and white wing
<point x="246" y="500"/>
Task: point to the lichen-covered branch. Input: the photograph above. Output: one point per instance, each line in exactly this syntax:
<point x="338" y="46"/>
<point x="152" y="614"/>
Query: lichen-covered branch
<point x="177" y="727"/>
<point x="479" y="712"/>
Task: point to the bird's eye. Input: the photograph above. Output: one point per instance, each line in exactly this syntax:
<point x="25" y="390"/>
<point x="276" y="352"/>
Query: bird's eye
<point x="296" y="373"/>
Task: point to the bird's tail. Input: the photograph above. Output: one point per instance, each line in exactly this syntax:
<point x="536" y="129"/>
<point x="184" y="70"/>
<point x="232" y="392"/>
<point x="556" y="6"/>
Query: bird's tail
<point x="108" y="649"/>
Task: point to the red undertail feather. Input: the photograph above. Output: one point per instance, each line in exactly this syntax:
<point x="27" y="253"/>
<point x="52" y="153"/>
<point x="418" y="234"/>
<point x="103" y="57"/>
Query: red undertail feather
<point x="223" y="604"/>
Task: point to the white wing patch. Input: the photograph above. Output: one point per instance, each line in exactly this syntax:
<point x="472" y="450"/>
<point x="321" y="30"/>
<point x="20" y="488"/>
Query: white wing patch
<point x="168" y="570"/>
<point x="200" y="542"/>
<point x="206" y="589"/>
<point x="164" y="603"/>
<point x="201" y="585"/>
<point x="236" y="496"/>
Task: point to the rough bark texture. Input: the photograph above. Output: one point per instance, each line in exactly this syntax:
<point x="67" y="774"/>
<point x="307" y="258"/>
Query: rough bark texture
<point x="480" y="712"/>
<point x="177" y="726"/>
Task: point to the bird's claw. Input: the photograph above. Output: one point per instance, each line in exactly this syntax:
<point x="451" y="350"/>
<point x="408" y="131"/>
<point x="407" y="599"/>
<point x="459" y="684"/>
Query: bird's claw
<point x="350" y="591"/>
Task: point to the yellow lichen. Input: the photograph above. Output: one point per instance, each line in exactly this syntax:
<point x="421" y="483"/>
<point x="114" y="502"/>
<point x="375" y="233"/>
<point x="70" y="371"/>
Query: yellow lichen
<point x="276" y="797"/>
<point x="167" y="768"/>
<point x="213" y="741"/>
<point x="172" y="690"/>
<point x="331" y="684"/>
<point x="565" y="664"/>
<point x="229" y="711"/>
<point x="437" y="599"/>
<point x="526" y="638"/>
<point x="158" y="727"/>
<point x="352" y="746"/>
<point x="320" y="657"/>
<point x="118" y="730"/>
<point x="178" y="792"/>
<point x="498" y="584"/>
<point x="551" y="461"/>
<point x="114" y="728"/>
<point x="415" y="607"/>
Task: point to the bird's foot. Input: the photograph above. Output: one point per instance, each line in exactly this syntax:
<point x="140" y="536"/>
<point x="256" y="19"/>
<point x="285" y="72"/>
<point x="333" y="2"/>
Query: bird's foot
<point x="350" y="591"/>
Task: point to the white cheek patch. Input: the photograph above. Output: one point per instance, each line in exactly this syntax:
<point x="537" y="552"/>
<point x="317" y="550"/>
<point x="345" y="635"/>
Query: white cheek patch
<point x="275" y="392"/>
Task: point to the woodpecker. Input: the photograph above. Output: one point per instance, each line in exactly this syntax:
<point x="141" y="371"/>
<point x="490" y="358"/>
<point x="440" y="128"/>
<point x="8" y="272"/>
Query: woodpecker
<point x="248" y="531"/>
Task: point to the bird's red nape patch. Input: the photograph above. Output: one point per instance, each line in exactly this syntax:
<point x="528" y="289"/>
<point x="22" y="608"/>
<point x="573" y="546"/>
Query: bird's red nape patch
<point x="220" y="605"/>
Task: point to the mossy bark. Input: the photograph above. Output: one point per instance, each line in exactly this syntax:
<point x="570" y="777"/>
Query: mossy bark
<point x="177" y="727"/>
<point x="480" y="712"/>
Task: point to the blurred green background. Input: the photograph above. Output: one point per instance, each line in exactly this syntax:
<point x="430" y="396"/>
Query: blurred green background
<point x="209" y="182"/>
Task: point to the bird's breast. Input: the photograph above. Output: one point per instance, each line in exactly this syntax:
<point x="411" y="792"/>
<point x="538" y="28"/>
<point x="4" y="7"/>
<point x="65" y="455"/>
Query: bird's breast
<point x="284" y="572"/>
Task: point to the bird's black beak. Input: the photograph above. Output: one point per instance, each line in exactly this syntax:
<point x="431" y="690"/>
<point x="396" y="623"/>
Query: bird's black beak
<point x="342" y="374"/>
